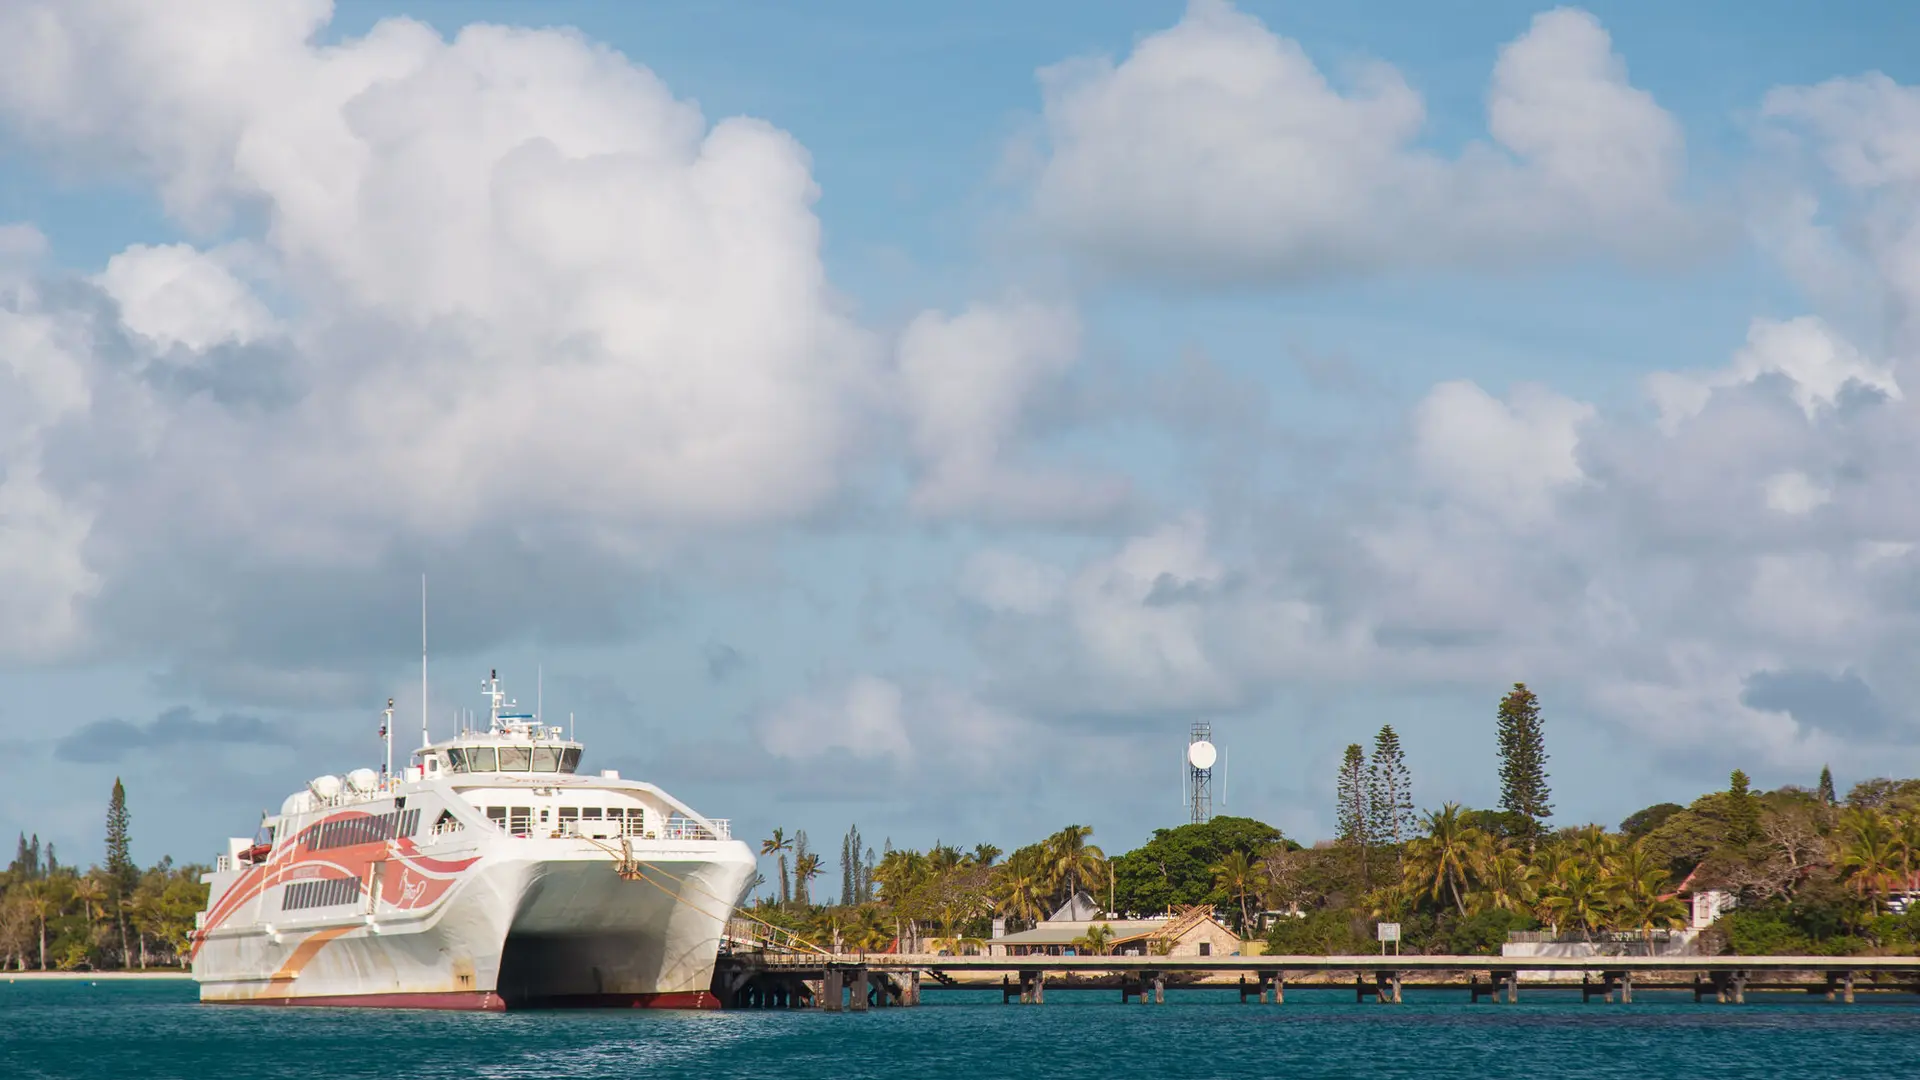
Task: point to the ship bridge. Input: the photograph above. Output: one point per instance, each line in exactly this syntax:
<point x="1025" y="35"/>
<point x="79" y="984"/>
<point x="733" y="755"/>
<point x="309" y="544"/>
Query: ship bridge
<point x="513" y="742"/>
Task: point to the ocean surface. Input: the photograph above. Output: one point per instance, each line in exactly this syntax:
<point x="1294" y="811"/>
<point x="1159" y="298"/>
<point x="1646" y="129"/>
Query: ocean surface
<point x="157" y="1029"/>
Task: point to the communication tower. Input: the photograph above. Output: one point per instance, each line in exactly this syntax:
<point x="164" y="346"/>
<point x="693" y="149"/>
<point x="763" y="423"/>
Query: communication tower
<point x="1198" y="762"/>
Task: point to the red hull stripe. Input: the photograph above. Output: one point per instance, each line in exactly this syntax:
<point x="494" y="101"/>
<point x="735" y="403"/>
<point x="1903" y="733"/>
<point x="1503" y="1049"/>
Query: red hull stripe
<point x="488" y="1001"/>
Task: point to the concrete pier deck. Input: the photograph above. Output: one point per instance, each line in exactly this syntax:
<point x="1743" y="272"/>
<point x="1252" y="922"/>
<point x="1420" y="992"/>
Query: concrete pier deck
<point x="858" y="980"/>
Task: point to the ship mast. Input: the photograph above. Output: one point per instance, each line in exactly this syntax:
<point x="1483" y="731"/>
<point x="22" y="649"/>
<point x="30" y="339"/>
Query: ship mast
<point x="424" y="740"/>
<point x="386" y="736"/>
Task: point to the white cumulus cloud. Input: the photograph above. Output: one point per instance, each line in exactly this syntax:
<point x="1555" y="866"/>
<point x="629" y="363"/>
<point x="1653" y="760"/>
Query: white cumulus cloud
<point x="1217" y="148"/>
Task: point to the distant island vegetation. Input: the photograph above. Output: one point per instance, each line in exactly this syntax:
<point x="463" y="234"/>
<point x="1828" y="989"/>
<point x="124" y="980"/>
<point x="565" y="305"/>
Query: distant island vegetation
<point x="1803" y="871"/>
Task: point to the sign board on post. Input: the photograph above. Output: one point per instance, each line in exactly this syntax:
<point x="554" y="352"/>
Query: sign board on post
<point x="1388" y="931"/>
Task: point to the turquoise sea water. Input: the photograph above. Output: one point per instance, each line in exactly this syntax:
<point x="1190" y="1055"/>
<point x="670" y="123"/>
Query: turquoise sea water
<point x="158" y="1030"/>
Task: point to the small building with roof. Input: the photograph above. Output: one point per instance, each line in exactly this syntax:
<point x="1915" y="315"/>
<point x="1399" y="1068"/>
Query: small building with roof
<point x="1192" y="932"/>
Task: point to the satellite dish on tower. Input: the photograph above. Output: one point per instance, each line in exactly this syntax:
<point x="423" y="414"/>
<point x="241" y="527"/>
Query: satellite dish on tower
<point x="1196" y="767"/>
<point x="1201" y="754"/>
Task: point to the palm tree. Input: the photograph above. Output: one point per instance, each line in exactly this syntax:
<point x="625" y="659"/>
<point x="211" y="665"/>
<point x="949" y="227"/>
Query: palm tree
<point x="1235" y="873"/>
<point x="1871" y="851"/>
<point x="1636" y="898"/>
<point x="91" y="895"/>
<point x="1597" y="846"/>
<point x="983" y="855"/>
<point x="1507" y="881"/>
<point x="40" y="903"/>
<point x="1576" y="895"/>
<point x="805" y="869"/>
<point x="1019" y="887"/>
<point x="870" y="930"/>
<point x="1906" y="833"/>
<point x="1095" y="941"/>
<point x="1072" y="861"/>
<point x="779" y="845"/>
<point x="943" y="857"/>
<point x="1443" y="860"/>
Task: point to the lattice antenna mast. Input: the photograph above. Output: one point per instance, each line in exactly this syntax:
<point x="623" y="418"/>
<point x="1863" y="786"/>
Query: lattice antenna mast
<point x="1199" y="760"/>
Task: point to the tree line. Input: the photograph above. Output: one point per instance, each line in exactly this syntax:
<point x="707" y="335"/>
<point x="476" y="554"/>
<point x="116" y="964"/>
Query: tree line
<point x="1803" y="870"/>
<point x="109" y="916"/>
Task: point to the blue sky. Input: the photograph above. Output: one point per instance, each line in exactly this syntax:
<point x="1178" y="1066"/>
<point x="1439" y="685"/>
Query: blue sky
<point x="925" y="431"/>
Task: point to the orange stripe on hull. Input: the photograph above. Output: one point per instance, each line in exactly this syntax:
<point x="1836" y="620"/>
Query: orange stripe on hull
<point x="304" y="952"/>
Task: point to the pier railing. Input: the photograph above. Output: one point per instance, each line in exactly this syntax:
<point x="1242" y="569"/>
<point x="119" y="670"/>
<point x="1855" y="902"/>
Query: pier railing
<point x="1902" y="965"/>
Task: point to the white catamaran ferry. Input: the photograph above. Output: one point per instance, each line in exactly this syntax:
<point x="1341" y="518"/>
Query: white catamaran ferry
<point x="490" y="874"/>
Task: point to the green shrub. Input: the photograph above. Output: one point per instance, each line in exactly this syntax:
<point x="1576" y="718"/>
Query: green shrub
<point x="1484" y="933"/>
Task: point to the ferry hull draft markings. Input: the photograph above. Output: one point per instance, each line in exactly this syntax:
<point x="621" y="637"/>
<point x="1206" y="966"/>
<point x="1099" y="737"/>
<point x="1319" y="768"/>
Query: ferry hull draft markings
<point x="487" y="874"/>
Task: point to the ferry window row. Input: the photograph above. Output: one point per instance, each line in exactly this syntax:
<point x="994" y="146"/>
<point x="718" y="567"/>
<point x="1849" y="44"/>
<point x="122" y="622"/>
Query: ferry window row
<point x="486" y="759"/>
<point x="594" y="821"/>
<point x="319" y="893"/>
<point x="371" y="829"/>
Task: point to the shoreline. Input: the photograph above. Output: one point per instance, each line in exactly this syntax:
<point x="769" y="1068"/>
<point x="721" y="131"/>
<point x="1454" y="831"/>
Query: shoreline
<point x="92" y="976"/>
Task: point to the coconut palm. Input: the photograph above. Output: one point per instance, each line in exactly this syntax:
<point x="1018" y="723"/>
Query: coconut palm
<point x="1095" y="942"/>
<point x="1442" y="861"/>
<point x="91" y="894"/>
<point x="1638" y="898"/>
<point x="778" y="844"/>
<point x="1508" y="882"/>
<point x="1019" y="887"/>
<point x="870" y="931"/>
<point x="1071" y="861"/>
<point x="1575" y="894"/>
<point x="1236" y="874"/>
<point x="983" y="855"/>
<point x="41" y="905"/>
<point x="1871" y="852"/>
<point x="1597" y="846"/>
<point x="943" y="857"/>
<point x="805" y="869"/>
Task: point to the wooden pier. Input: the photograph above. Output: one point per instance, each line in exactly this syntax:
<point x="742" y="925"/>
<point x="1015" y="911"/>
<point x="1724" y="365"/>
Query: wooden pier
<point x="856" y="982"/>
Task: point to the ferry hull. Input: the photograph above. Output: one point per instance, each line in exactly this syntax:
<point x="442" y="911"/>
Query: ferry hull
<point x="521" y="924"/>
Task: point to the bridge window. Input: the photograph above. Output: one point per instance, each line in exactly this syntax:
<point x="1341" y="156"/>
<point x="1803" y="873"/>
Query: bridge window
<point x="457" y="758"/>
<point x="569" y="759"/>
<point x="480" y="759"/>
<point x="546" y="759"/>
<point x="514" y="759"/>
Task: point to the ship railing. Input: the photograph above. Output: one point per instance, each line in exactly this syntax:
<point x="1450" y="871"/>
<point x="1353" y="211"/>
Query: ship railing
<point x="445" y="828"/>
<point x="681" y="827"/>
<point x="603" y="828"/>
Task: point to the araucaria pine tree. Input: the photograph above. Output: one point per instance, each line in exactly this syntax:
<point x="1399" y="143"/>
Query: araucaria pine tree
<point x="120" y="866"/>
<point x="1390" y="790"/>
<point x="850" y="867"/>
<point x="1826" y="786"/>
<point x="1523" y="762"/>
<point x="1354" y="814"/>
<point x="1743" y="811"/>
<point x="121" y="871"/>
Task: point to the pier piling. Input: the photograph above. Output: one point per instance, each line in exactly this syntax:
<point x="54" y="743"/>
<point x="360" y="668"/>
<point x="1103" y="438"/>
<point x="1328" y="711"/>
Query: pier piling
<point x="862" y="991"/>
